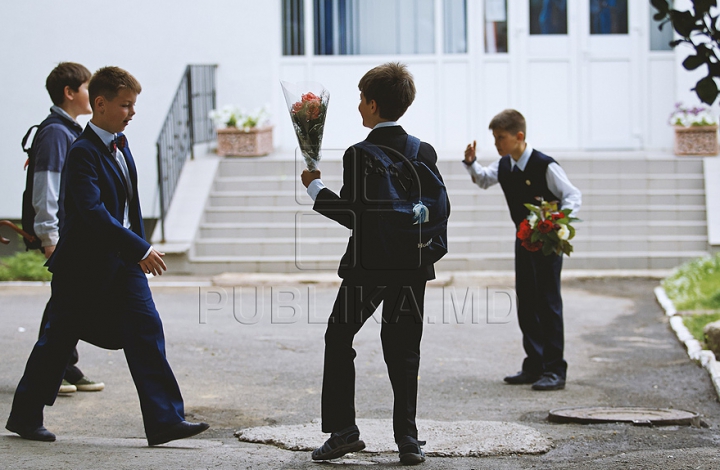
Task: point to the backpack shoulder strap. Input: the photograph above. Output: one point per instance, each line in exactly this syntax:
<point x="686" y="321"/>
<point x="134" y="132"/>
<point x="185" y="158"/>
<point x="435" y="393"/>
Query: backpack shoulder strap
<point x="375" y="151"/>
<point x="27" y="136"/>
<point x="412" y="147"/>
<point x="53" y="118"/>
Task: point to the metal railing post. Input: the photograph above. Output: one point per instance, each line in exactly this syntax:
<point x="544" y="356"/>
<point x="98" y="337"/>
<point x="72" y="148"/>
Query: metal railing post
<point x="180" y="132"/>
<point x="162" y="192"/>
<point x="191" y="118"/>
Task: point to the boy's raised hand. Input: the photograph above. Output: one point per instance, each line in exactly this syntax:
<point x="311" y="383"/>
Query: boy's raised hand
<point x="470" y="153"/>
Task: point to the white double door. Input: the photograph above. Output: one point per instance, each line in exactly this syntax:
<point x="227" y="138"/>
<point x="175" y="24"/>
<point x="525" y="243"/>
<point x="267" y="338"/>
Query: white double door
<point x="580" y="90"/>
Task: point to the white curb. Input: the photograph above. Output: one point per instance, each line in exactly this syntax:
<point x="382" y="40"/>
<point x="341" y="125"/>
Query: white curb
<point x="695" y="351"/>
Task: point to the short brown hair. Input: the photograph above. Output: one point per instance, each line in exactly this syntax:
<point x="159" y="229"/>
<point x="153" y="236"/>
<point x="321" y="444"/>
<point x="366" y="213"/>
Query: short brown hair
<point x="392" y="87"/>
<point x="65" y="74"/>
<point x="108" y="81"/>
<point x="508" y="120"/>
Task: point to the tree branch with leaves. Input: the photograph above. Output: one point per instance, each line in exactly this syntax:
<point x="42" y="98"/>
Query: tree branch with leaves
<point x="697" y="28"/>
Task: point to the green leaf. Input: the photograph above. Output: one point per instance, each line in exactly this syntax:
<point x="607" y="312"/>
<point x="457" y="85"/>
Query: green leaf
<point x="702" y="7"/>
<point x="714" y="69"/>
<point x="693" y="61"/>
<point x="684" y="22"/>
<point x="706" y="90"/>
<point x="661" y="6"/>
<point x="572" y="232"/>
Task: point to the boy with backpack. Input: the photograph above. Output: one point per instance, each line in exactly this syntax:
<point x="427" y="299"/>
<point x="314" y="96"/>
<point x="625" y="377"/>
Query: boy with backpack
<point x="395" y="203"/>
<point x="42" y="211"/>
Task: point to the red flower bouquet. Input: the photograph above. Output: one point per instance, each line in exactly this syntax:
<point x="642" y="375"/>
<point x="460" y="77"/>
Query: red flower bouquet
<point x="547" y="229"/>
<point x="307" y="112"/>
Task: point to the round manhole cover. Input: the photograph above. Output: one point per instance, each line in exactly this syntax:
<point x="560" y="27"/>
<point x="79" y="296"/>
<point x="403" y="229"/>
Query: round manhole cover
<point x="629" y="414"/>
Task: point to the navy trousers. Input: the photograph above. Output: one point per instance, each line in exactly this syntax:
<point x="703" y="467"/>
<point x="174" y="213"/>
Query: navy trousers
<point x="72" y="372"/>
<point x="540" y="311"/>
<point x="401" y="331"/>
<point x="129" y="310"/>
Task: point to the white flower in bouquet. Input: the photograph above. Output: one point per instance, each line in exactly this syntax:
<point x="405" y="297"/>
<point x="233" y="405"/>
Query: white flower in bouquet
<point x="563" y="233"/>
<point x="532" y="218"/>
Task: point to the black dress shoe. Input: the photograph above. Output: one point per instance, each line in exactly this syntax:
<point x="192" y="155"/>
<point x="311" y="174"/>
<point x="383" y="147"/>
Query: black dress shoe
<point x="521" y="377"/>
<point x="339" y="444"/>
<point x="410" y="451"/>
<point x="180" y="430"/>
<point x="549" y="381"/>
<point x="29" y="432"/>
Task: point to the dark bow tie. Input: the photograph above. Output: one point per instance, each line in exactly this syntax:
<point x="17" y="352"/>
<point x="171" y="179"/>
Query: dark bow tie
<point x="119" y="142"/>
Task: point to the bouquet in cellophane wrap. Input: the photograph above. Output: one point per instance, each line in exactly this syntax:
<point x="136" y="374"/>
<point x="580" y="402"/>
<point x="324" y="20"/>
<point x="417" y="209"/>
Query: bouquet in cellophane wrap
<point x="307" y="103"/>
<point x="548" y="229"/>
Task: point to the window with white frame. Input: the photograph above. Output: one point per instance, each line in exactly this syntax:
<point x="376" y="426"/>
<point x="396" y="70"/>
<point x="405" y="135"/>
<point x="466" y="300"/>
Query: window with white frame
<point x="293" y="27"/>
<point x="660" y="39"/>
<point x="386" y="27"/>
<point x="496" y="30"/>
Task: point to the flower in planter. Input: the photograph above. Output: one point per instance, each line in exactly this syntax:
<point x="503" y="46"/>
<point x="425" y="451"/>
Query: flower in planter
<point x="692" y="117"/>
<point x="232" y="116"/>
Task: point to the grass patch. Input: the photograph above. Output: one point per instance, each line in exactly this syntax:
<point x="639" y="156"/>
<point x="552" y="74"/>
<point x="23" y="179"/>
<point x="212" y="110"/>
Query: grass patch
<point x="695" y="285"/>
<point x="24" y="266"/>
<point x="696" y="323"/>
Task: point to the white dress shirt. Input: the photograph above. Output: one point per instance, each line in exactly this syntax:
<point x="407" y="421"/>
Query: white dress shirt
<point x="557" y="181"/>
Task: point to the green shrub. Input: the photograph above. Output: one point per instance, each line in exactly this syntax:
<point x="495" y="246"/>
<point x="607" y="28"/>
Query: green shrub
<point x="695" y="285"/>
<point x="24" y="266"/>
<point x="696" y="323"/>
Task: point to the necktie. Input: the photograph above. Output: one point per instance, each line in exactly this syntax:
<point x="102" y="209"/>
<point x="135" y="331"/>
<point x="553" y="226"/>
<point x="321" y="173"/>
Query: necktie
<point x="119" y="143"/>
<point x="516" y="169"/>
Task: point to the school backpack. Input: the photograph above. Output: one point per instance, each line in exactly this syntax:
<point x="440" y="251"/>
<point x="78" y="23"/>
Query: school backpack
<point x="28" y="211"/>
<point x="406" y="226"/>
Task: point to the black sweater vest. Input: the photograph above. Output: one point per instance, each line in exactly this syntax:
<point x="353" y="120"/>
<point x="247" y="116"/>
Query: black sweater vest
<point x="525" y="187"/>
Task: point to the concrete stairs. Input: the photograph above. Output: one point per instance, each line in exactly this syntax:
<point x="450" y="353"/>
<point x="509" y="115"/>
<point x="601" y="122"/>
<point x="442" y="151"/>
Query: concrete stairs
<point x="639" y="212"/>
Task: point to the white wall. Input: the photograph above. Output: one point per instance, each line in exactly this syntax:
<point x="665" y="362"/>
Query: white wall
<point x="154" y="40"/>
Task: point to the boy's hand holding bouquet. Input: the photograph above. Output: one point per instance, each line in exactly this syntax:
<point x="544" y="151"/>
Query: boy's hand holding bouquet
<point x="548" y="229"/>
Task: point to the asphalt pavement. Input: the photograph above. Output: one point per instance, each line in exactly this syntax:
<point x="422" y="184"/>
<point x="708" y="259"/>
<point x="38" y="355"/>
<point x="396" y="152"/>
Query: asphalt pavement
<point x="249" y="356"/>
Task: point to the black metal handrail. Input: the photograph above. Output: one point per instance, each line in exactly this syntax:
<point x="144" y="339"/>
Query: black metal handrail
<point x="187" y="123"/>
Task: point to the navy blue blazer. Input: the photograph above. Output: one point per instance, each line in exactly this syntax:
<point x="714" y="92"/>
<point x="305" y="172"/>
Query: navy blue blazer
<point x="93" y="243"/>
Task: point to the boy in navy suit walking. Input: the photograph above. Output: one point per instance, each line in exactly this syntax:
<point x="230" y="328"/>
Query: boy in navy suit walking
<point x="526" y="174"/>
<point x="100" y="293"/>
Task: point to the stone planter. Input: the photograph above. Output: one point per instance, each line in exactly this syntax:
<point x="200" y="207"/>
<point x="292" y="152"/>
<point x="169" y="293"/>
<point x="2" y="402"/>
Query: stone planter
<point x="696" y="140"/>
<point x="241" y="143"/>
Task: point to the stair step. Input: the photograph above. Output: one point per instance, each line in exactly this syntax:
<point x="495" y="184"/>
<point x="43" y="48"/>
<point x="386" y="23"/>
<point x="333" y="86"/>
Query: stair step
<point x="470" y="197"/>
<point x="638" y="213"/>
<point x="611" y="181"/>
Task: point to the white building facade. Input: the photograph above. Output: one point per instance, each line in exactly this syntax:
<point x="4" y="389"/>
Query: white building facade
<point x="587" y="76"/>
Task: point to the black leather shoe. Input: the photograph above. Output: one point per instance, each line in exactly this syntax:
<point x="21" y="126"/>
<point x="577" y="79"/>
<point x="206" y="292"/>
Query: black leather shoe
<point x="410" y="451"/>
<point x="339" y="444"/>
<point x="521" y="377"/>
<point x="549" y="381"/>
<point x="29" y="432"/>
<point x="180" y="430"/>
